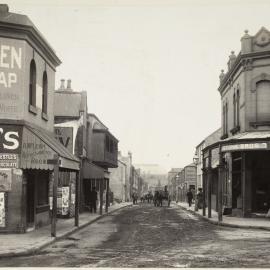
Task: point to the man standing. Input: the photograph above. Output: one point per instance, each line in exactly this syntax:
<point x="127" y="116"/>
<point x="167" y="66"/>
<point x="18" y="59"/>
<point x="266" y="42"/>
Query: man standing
<point x="189" y="197"/>
<point x="93" y="200"/>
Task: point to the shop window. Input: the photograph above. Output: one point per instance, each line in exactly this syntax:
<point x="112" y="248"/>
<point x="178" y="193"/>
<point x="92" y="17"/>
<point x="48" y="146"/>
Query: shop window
<point x="32" y="87"/>
<point x="44" y="94"/>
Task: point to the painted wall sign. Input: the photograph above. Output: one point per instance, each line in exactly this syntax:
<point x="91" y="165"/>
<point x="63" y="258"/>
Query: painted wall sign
<point x="2" y="210"/>
<point x="10" y="139"/>
<point x="11" y="76"/>
<point x="8" y="161"/>
<point x="244" y="146"/>
<point x="35" y="153"/>
<point x="5" y="179"/>
<point x="65" y="136"/>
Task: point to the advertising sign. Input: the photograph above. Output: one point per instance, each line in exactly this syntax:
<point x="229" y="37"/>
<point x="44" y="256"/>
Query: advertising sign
<point x="2" y="210"/>
<point x="244" y="146"/>
<point x="11" y="77"/>
<point x="35" y="153"/>
<point x="8" y="161"/>
<point x="10" y="139"/>
<point x="63" y="201"/>
<point x="65" y="136"/>
<point x="5" y="179"/>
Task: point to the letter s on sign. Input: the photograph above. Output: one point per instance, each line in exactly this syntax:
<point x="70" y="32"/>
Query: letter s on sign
<point x="14" y="141"/>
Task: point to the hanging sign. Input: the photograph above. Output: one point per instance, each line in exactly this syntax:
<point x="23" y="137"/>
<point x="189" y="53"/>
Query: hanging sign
<point x="5" y="179"/>
<point x="2" y="210"/>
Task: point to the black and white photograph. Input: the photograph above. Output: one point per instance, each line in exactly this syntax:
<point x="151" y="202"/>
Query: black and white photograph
<point x="134" y="134"/>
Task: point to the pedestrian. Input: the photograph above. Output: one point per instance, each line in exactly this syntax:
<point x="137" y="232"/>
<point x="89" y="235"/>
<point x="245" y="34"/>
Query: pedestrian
<point x="134" y="197"/>
<point x="93" y="200"/>
<point x="200" y="198"/>
<point x="189" y="197"/>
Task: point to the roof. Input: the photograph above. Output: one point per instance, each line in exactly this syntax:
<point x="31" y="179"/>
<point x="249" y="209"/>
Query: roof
<point x="175" y="170"/>
<point x="249" y="136"/>
<point x="67" y="103"/>
<point x="48" y="138"/>
<point x="213" y="137"/>
<point x="95" y="117"/>
<point x="24" y="24"/>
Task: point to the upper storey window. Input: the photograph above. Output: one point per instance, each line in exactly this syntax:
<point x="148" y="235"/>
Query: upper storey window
<point x="263" y="101"/>
<point x="44" y="92"/>
<point x="32" y="87"/>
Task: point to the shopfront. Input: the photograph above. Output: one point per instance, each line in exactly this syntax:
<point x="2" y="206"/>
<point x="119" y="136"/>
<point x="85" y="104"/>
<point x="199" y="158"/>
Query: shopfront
<point x="26" y="177"/>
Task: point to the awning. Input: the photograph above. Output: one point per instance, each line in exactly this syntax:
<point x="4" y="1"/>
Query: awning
<point x="92" y="171"/>
<point x="258" y="140"/>
<point x="38" y="146"/>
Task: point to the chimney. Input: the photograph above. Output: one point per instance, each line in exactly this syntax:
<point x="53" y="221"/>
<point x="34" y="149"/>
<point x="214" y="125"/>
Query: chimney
<point x="62" y="85"/>
<point x="4" y="9"/>
<point x="69" y="85"/>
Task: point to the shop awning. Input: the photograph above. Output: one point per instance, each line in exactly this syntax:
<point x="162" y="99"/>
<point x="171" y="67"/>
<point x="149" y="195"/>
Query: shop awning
<point x="92" y="171"/>
<point x="258" y="140"/>
<point x="39" y="146"/>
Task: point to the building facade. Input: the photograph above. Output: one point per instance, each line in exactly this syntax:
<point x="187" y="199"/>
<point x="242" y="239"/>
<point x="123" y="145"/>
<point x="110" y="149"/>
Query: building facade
<point x="243" y="186"/>
<point x="28" y="151"/>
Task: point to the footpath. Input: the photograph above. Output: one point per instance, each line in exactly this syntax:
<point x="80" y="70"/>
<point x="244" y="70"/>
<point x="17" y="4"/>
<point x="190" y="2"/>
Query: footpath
<point x="31" y="242"/>
<point x="229" y="221"/>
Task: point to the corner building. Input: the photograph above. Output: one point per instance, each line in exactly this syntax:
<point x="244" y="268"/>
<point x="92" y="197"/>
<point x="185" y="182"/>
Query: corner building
<point x="27" y="77"/>
<point x="243" y="149"/>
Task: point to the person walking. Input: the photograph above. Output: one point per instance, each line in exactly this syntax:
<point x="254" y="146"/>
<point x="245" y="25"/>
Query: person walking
<point x="189" y="197"/>
<point x="93" y="200"/>
<point x="200" y="199"/>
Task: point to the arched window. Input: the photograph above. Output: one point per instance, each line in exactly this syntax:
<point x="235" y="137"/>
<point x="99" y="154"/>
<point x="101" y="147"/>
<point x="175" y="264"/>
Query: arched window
<point x="32" y="84"/>
<point x="44" y="92"/>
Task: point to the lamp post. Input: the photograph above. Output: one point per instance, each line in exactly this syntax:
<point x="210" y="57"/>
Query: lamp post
<point x="196" y="161"/>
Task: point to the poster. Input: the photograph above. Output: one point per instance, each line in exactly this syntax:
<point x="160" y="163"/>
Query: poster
<point x="63" y="201"/>
<point x="5" y="180"/>
<point x="2" y="210"/>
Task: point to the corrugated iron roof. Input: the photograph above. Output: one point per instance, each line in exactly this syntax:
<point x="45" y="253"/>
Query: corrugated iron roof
<point x="49" y="139"/>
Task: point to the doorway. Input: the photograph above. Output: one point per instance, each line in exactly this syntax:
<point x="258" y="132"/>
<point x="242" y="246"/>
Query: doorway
<point x="30" y="200"/>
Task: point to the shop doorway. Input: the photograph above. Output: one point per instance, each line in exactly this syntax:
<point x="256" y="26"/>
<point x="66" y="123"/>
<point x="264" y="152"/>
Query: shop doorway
<point x="30" y="200"/>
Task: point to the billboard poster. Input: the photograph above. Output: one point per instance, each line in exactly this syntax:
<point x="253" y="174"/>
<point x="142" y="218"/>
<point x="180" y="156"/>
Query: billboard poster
<point x="5" y="180"/>
<point x="8" y="161"/>
<point x="63" y="201"/>
<point x="65" y="136"/>
<point x="2" y="210"/>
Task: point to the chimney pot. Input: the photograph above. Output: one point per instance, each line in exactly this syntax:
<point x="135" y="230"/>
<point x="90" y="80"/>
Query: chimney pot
<point x="4" y="8"/>
<point x="69" y="84"/>
<point x="62" y="85"/>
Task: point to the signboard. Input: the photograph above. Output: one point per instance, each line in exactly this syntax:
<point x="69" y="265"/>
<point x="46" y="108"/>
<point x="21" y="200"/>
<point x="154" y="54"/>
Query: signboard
<point x="2" y="210"/>
<point x="35" y="152"/>
<point x="11" y="77"/>
<point x="65" y="136"/>
<point x="63" y="201"/>
<point x="8" y="161"/>
<point x="244" y="146"/>
<point x="5" y="179"/>
<point x="10" y="139"/>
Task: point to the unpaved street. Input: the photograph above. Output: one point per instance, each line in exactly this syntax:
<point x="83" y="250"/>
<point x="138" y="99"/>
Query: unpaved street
<point x="146" y="236"/>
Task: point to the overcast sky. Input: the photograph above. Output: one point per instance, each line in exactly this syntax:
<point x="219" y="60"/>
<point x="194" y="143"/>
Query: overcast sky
<point x="151" y="68"/>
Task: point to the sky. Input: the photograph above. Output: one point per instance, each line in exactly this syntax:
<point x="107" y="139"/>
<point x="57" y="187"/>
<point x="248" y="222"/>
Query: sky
<point x="150" y="67"/>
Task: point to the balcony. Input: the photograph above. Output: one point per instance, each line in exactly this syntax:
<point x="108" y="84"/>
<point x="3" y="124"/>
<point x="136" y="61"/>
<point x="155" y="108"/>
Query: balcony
<point x="105" y="149"/>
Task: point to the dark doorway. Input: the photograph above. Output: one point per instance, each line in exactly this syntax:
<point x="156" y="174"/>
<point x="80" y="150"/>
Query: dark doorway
<point x="30" y="199"/>
<point x="236" y="180"/>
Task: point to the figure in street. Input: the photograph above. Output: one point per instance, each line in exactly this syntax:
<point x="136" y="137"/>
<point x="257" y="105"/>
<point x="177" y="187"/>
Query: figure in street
<point x="200" y="198"/>
<point x="93" y="200"/>
<point x="189" y="197"/>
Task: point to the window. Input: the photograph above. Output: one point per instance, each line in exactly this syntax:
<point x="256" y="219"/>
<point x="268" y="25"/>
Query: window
<point x="44" y="92"/>
<point x="226" y="118"/>
<point x="234" y="110"/>
<point x="32" y="84"/>
<point x="237" y="108"/>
